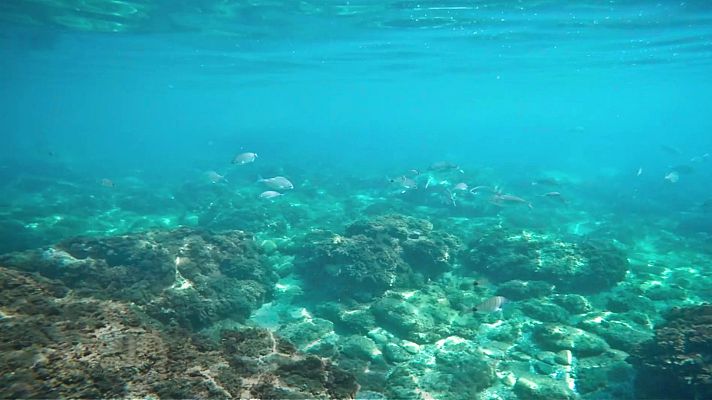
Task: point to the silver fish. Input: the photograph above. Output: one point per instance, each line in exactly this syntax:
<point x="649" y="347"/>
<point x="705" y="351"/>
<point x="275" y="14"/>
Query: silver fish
<point x="501" y="199"/>
<point x="444" y="166"/>
<point x="277" y="183"/>
<point x="215" y="177"/>
<point x="492" y="304"/>
<point x="462" y="186"/>
<point x="672" y="177"/>
<point x="244" y="158"/>
<point x="554" y="195"/>
<point x="270" y="194"/>
<point x="404" y="182"/>
<point x="546" y="182"/>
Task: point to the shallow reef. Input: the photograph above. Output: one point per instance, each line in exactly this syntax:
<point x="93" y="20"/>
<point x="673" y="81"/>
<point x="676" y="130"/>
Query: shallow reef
<point x="57" y="344"/>
<point x="371" y="308"/>
<point x="190" y="277"/>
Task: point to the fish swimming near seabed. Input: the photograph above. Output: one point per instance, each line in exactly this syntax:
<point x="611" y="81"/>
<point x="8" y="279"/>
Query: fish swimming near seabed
<point x="215" y="177"/>
<point x="270" y="194"/>
<point x="503" y="199"/>
<point x="554" y="196"/>
<point x="277" y="183"/>
<point x="404" y="183"/>
<point x="444" y="166"/>
<point x="492" y="304"/>
<point x="244" y="158"/>
<point x="490" y="189"/>
<point x="462" y="186"/>
<point x="546" y="182"/>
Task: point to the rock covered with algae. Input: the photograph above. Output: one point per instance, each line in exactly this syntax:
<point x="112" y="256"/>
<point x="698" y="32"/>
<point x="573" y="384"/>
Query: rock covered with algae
<point x="676" y="363"/>
<point x="375" y="255"/>
<point x="190" y="277"/>
<point x="580" y="267"/>
<point x="57" y="344"/>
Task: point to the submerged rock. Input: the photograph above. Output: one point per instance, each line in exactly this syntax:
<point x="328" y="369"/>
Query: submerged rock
<point x="193" y="278"/>
<point x="582" y="267"/>
<point x="453" y="368"/>
<point x="556" y="337"/>
<point x="542" y="388"/>
<point x="676" y="363"/>
<point x="55" y="344"/>
<point x="375" y="255"/>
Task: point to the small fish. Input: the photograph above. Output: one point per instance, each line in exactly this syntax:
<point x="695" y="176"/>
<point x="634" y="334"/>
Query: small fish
<point x="277" y="183"/>
<point x="672" y="177"/>
<point x="492" y="304"/>
<point x="640" y="172"/>
<point x="706" y="205"/>
<point x="546" y="182"/>
<point x="490" y="189"/>
<point x="244" y="158"/>
<point x="462" y="186"/>
<point x="214" y="177"/>
<point x="444" y="166"/>
<point x="554" y="195"/>
<point x="107" y="183"/>
<point x="482" y="282"/>
<point x="501" y="199"/>
<point x="404" y="182"/>
<point x="270" y="194"/>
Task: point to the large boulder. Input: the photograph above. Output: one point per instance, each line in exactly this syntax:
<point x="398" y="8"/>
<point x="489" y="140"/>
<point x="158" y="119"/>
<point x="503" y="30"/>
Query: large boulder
<point x="375" y="255"/>
<point x="573" y="266"/>
<point x="193" y="278"/>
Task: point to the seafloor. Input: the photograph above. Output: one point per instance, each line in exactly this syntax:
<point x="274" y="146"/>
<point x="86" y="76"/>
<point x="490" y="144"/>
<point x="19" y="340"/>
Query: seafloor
<point x="346" y="287"/>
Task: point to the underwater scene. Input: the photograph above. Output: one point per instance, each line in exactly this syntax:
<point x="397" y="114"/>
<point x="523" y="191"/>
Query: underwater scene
<point x="356" y="199"/>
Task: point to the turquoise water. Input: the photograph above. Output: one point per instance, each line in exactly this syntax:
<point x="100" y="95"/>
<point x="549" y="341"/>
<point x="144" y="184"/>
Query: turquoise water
<point x="581" y="131"/>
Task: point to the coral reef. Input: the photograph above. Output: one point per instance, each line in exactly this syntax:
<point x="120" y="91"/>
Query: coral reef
<point x="55" y="344"/>
<point x="676" y="363"/>
<point x="582" y="267"/>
